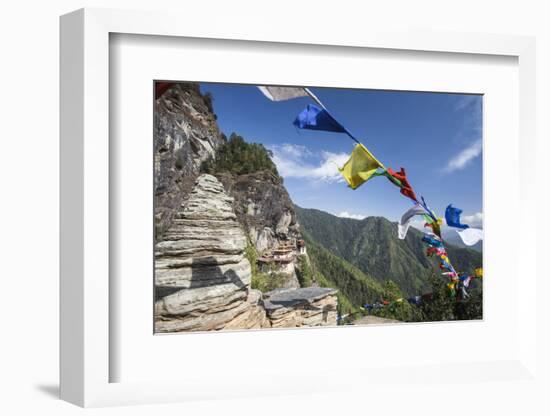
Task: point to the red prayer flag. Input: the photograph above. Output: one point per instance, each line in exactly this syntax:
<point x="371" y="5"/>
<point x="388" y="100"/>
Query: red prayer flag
<point x="430" y="251"/>
<point x="161" y="87"/>
<point x="406" y="188"/>
<point x="436" y="229"/>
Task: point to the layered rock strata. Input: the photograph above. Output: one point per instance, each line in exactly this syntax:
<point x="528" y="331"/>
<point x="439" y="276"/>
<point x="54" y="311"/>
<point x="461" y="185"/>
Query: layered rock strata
<point x="202" y="277"/>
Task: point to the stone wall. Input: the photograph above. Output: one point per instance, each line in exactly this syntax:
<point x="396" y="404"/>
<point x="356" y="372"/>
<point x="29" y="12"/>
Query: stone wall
<point x="311" y="306"/>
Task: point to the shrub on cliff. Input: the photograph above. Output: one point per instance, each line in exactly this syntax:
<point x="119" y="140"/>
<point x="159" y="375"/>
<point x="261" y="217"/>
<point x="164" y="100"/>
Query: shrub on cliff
<point x="239" y="157"/>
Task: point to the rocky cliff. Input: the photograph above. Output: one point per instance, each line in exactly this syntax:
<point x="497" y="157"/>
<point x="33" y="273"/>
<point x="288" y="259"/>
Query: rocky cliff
<point x="202" y="278"/>
<point x="266" y="213"/>
<point x="203" y="224"/>
<point x="263" y="207"/>
<point x="186" y="134"/>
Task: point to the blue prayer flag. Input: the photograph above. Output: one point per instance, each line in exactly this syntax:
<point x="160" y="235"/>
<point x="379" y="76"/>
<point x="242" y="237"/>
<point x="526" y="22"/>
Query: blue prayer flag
<point x="447" y="265"/>
<point x="432" y="241"/>
<point x="452" y="216"/>
<point x="314" y="118"/>
<point x="415" y="300"/>
<point x="463" y="277"/>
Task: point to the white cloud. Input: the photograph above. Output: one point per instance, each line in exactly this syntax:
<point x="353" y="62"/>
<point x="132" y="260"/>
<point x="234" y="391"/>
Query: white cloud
<point x="469" y="108"/>
<point x="464" y="157"/>
<point x="345" y="214"/>
<point x="295" y="161"/>
<point x="474" y="220"/>
<point x="295" y="150"/>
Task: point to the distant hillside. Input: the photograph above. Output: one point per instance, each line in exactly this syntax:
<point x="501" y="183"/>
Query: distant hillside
<point x="373" y="247"/>
<point x="329" y="270"/>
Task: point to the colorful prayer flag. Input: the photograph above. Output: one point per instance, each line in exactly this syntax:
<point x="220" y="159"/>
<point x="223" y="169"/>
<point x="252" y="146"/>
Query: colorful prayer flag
<point x="446" y="265"/>
<point x="315" y="118"/>
<point x="430" y="251"/>
<point x="283" y="93"/>
<point x="452" y="289"/>
<point x="401" y="177"/>
<point x="435" y="226"/>
<point x="470" y="236"/>
<point x="161" y="88"/>
<point x="452" y="216"/>
<point x="287" y="93"/>
<point x="404" y="223"/>
<point x="431" y="215"/>
<point x="434" y="242"/>
<point x="360" y="167"/>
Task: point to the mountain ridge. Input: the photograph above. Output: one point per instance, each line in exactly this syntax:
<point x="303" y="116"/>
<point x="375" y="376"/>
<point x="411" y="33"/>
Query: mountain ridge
<point x="372" y="245"/>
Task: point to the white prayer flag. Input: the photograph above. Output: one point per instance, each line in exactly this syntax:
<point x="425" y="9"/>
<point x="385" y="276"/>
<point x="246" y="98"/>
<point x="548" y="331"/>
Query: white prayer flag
<point x="283" y="93"/>
<point x="403" y="226"/>
<point x="288" y="93"/>
<point x="470" y="236"/>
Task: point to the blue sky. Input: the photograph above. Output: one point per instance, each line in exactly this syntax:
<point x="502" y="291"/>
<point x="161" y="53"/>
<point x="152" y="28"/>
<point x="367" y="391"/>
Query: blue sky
<point x="435" y="137"/>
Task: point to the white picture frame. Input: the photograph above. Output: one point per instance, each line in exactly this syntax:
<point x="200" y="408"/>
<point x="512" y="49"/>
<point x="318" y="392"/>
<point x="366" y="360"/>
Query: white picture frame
<point x="86" y="356"/>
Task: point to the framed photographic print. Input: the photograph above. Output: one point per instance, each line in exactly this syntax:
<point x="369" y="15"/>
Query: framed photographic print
<point x="266" y="234"/>
<point x="277" y="207"/>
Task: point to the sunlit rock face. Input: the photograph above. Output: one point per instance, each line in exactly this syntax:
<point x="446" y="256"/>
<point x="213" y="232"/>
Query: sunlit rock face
<point x="202" y="277"/>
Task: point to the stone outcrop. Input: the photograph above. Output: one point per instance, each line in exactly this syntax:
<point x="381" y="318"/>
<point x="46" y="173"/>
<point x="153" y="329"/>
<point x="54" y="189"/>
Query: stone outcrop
<point x="312" y="306"/>
<point x="266" y="212"/>
<point x="202" y="277"/>
<point x="263" y="207"/>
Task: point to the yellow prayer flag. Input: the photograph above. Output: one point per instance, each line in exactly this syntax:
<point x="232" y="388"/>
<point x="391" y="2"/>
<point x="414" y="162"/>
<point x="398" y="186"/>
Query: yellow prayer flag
<point x="360" y="167"/>
<point x="436" y="226"/>
<point x="478" y="272"/>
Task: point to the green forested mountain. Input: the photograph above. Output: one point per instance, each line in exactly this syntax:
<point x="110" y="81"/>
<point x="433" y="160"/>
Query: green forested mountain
<point x="356" y="288"/>
<point x="328" y="270"/>
<point x="372" y="246"/>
